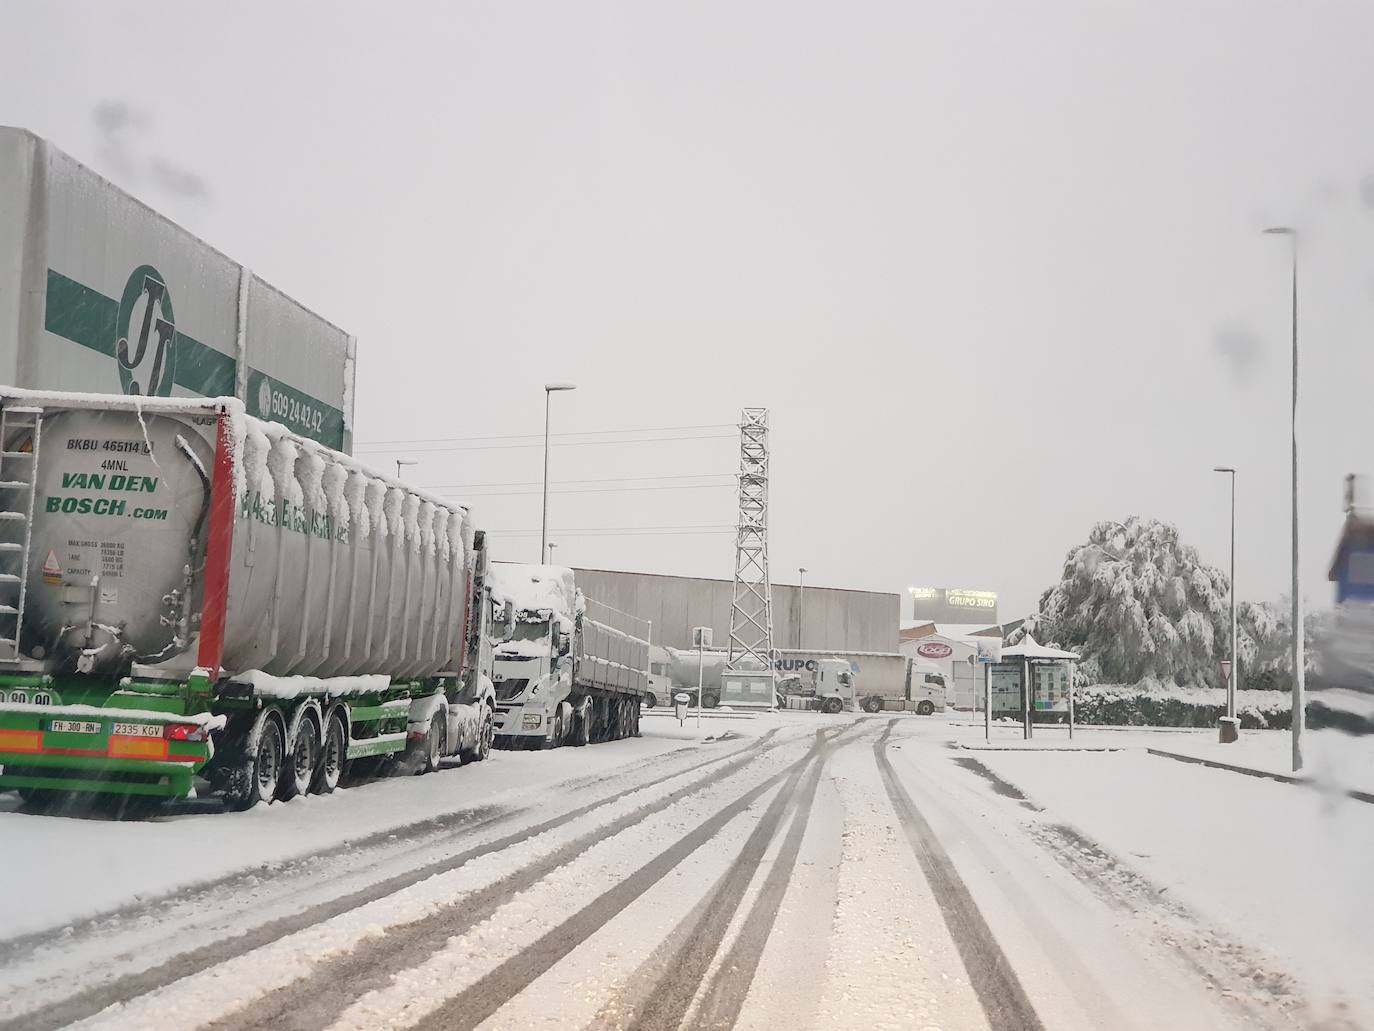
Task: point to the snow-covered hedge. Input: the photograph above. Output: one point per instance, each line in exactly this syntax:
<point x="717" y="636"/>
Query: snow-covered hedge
<point x="1129" y="706"/>
<point x="1124" y="705"/>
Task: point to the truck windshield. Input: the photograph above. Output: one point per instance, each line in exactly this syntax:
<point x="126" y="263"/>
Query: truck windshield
<point x="530" y="631"/>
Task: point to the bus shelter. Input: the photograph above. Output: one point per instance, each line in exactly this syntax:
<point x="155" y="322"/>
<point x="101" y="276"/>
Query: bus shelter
<point x="1031" y="678"/>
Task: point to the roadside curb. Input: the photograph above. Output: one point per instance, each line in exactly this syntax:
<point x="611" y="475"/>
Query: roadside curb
<point x="1050" y="748"/>
<point x="1283" y="778"/>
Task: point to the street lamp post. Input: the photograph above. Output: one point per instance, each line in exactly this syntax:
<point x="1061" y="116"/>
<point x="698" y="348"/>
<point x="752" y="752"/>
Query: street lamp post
<point x="801" y="602"/>
<point x="1299" y="672"/>
<point x="549" y="388"/>
<point x="404" y="462"/>
<point x="1234" y="668"/>
<point x="552" y="545"/>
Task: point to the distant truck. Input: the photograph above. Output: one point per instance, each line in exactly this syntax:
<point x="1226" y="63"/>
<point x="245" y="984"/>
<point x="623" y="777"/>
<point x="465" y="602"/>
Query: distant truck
<point x="827" y="685"/>
<point x="924" y="691"/>
<point x="559" y="676"/>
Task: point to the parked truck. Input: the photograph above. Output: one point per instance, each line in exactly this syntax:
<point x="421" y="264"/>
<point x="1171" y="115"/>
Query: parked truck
<point x="827" y="684"/>
<point x="561" y="677"/>
<point x="189" y="592"/>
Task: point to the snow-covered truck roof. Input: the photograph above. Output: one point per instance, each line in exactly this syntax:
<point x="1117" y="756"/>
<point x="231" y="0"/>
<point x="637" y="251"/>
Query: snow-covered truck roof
<point x="536" y="588"/>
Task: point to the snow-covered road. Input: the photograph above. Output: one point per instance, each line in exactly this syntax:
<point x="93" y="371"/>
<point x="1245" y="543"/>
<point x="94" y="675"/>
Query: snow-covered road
<point x="790" y="871"/>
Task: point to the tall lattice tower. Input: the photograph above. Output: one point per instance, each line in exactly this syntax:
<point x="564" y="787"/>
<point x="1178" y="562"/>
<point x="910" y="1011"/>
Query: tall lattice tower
<point x="751" y="614"/>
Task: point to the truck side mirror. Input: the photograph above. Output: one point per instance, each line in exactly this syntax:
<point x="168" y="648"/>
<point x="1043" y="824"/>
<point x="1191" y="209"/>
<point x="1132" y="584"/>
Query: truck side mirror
<point x="564" y="643"/>
<point x="508" y="621"/>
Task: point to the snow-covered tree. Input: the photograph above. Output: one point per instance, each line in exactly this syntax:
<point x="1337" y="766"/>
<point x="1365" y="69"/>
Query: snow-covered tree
<point x="1139" y="606"/>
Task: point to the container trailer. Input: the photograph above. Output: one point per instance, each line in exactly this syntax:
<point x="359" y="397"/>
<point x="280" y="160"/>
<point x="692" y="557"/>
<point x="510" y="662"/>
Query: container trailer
<point x="187" y="590"/>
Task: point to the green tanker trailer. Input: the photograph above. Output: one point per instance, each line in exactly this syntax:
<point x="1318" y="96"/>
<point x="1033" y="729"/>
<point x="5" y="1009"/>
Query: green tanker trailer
<point x="189" y="592"/>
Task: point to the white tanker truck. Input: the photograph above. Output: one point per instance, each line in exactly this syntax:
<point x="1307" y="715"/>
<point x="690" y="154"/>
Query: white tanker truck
<point x="188" y="591"/>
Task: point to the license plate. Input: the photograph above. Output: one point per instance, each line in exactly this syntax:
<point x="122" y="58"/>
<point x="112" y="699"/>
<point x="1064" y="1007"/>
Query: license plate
<point x="531" y="720"/>
<point x="73" y="727"/>
<point x="136" y="730"/>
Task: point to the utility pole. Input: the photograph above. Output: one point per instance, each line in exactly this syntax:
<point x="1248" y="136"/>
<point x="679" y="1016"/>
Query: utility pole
<point x="801" y="603"/>
<point x="1234" y="671"/>
<point x="1299" y="659"/>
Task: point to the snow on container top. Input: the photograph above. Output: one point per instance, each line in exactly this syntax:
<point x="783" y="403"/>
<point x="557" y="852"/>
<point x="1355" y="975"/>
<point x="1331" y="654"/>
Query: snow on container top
<point x="536" y="588"/>
<point x="99" y="292"/>
<point x="319" y="583"/>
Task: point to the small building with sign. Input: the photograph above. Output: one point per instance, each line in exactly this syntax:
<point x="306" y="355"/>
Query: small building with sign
<point x="955" y="655"/>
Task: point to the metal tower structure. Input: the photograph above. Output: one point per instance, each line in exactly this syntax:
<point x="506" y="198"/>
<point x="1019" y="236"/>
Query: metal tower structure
<point x="751" y="612"/>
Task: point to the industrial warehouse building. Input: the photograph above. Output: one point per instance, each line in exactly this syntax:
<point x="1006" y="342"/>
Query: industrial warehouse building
<point x="829" y="619"/>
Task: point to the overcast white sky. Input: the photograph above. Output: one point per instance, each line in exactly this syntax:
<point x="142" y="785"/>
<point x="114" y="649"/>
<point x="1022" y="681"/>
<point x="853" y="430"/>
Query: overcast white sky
<point x="995" y="268"/>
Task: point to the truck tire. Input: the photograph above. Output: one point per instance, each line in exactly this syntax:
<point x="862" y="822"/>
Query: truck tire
<point x="582" y="731"/>
<point x="482" y="748"/>
<point x="435" y="739"/>
<point x="422" y="756"/>
<point x="925" y="708"/>
<point x="253" y="778"/>
<point x="873" y="704"/>
<point x="710" y="701"/>
<point x="304" y="759"/>
<point x="651" y="699"/>
<point x="333" y="754"/>
<point x="832" y="706"/>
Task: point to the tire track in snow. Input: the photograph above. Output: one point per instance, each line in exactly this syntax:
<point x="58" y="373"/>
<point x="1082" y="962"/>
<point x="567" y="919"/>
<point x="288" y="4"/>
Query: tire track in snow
<point x="92" y="1000"/>
<point x="390" y="844"/>
<point x="999" y="990"/>
<point x="318" y="1000"/>
<point x="724" y="999"/>
<point x="666" y="1004"/>
<point x="639" y="999"/>
<point x="473" y="1005"/>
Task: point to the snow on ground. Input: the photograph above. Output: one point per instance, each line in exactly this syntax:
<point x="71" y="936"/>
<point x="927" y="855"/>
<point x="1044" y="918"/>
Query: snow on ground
<point x="890" y="963"/>
<point x="1280" y="866"/>
<point x="1333" y="760"/>
<point x="52" y="855"/>
<point x="239" y="981"/>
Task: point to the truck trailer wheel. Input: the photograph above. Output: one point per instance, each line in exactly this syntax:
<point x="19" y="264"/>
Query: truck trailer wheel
<point x="254" y="777"/>
<point x="482" y="748"/>
<point x="332" y="756"/>
<point x="422" y="756"/>
<point x="300" y="768"/>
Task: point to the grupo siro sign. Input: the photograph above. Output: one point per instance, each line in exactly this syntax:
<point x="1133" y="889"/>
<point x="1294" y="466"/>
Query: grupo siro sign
<point x="953" y="604"/>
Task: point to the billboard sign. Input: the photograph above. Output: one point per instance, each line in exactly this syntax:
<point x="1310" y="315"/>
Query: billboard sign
<point x="934" y="650"/>
<point x="101" y="294"/>
<point x="953" y="605"/>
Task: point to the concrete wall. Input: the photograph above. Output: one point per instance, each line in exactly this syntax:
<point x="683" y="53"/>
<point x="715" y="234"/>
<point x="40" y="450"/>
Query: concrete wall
<point x="835" y="619"/>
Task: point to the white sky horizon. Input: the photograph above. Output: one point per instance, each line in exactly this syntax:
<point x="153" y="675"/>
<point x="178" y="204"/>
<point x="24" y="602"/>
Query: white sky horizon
<point x="997" y="272"/>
